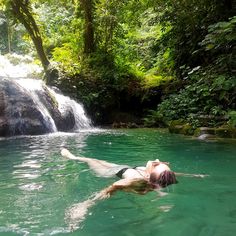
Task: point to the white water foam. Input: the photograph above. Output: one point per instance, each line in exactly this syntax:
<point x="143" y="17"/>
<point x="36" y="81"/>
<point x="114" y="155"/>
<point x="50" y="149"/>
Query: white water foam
<point x="64" y="102"/>
<point x="81" y="120"/>
<point x="32" y="86"/>
<point x="25" y="69"/>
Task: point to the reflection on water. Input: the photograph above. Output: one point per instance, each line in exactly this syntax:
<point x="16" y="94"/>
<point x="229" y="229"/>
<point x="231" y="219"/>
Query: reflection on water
<point x="31" y="187"/>
<point x="44" y="194"/>
<point x="29" y="167"/>
<point x="76" y="214"/>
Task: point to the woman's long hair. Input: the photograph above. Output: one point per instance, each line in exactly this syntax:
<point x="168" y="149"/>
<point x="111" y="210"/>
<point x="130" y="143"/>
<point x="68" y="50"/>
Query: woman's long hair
<point x="166" y="178"/>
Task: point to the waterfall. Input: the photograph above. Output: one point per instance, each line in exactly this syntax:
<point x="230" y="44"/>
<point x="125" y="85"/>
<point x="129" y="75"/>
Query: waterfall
<point x="36" y="88"/>
<point x="29" y="106"/>
<point x="81" y="120"/>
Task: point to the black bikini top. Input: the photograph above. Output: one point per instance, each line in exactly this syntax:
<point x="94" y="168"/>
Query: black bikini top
<point x="122" y="171"/>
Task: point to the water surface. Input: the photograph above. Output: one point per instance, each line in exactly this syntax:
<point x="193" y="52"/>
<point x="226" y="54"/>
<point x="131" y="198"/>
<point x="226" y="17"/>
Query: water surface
<point x="38" y="187"/>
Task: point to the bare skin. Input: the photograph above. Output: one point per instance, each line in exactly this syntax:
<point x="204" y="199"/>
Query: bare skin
<point x="134" y="180"/>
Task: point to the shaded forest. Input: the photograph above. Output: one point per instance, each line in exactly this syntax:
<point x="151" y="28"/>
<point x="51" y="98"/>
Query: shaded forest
<point x="133" y="63"/>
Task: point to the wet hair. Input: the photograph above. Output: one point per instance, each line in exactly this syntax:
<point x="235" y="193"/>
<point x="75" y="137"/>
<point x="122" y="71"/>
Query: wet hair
<point x="166" y="178"/>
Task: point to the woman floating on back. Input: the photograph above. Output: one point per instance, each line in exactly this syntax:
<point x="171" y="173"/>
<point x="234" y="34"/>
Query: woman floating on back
<point x="154" y="176"/>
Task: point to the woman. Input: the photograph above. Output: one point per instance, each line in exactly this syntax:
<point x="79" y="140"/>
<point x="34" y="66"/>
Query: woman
<point x="155" y="175"/>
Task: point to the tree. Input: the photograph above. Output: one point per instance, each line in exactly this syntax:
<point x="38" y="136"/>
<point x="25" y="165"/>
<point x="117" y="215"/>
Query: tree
<point x="22" y="11"/>
<point x="87" y="8"/>
<point x="189" y="21"/>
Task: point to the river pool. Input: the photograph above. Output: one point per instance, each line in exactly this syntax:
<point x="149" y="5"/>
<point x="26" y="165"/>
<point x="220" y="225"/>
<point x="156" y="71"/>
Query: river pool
<point x="38" y="187"/>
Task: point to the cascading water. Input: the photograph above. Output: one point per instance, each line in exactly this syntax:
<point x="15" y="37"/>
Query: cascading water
<point x="81" y="120"/>
<point x="34" y="87"/>
<point x="51" y="110"/>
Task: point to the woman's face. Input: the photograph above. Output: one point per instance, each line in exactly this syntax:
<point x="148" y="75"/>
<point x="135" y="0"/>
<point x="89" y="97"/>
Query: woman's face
<point x="158" y="168"/>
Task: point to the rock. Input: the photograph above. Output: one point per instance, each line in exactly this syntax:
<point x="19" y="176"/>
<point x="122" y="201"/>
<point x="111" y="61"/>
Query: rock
<point x="220" y="132"/>
<point x="179" y="127"/>
<point x="226" y="132"/>
<point x="176" y="129"/>
<point x="187" y="129"/>
<point x="206" y="137"/>
<point x="20" y="112"/>
<point x="202" y="133"/>
<point x="204" y="130"/>
<point x="64" y="121"/>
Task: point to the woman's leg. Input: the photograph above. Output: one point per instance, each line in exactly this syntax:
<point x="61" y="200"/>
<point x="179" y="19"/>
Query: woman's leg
<point x="100" y="167"/>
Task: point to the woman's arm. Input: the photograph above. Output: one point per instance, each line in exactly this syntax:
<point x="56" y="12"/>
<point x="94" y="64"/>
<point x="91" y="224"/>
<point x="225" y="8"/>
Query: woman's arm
<point x="118" y="185"/>
<point x="139" y="186"/>
<point x="76" y="213"/>
<point x="191" y="175"/>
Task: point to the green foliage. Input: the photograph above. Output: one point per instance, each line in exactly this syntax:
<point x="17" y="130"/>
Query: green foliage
<point x="155" y="119"/>
<point x="207" y="96"/>
<point x="219" y="43"/>
<point x="209" y="87"/>
<point x="183" y="51"/>
<point x="232" y="118"/>
<point x="101" y="90"/>
<point x="13" y="36"/>
<point x="189" y="21"/>
<point x="221" y="35"/>
<point x="66" y="58"/>
<point x="152" y="81"/>
<point x="56" y="19"/>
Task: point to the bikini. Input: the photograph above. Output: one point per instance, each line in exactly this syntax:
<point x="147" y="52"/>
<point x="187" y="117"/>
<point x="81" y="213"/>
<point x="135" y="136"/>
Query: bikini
<point x="122" y="171"/>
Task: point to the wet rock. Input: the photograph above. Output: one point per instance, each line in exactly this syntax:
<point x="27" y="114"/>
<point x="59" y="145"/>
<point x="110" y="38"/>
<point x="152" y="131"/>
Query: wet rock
<point x="202" y="133"/>
<point x="179" y="127"/>
<point x="64" y="121"/>
<point x="20" y="114"/>
<point x="206" y="137"/>
<point x="204" y="130"/>
<point x="226" y="132"/>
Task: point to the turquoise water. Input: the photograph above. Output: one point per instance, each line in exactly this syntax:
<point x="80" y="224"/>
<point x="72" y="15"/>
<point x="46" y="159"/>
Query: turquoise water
<point x="38" y="187"/>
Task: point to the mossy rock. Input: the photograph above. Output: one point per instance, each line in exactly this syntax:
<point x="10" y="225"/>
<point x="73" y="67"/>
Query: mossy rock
<point x="187" y="129"/>
<point x="177" y="122"/>
<point x="175" y="126"/>
<point x="204" y="130"/>
<point x="179" y="127"/>
<point x="176" y="129"/>
<point x="226" y="132"/>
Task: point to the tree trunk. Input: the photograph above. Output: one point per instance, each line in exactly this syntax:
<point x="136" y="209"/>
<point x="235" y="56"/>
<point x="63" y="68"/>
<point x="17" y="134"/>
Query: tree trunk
<point x="21" y="10"/>
<point x="8" y="36"/>
<point x="87" y="7"/>
<point x="233" y="4"/>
